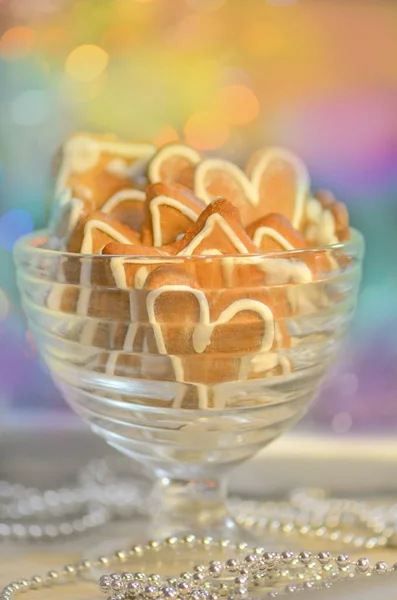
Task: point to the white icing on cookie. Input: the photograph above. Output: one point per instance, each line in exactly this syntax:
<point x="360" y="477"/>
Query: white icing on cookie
<point x="112" y="232"/>
<point x="155" y="205"/>
<point x="320" y="229"/>
<point x="122" y="196"/>
<point x="271" y="155"/>
<point x="82" y="153"/>
<point x="272" y="233"/>
<point x="170" y="150"/>
<point x="214" y="219"/>
<point x="204" y="328"/>
<point x="236" y="174"/>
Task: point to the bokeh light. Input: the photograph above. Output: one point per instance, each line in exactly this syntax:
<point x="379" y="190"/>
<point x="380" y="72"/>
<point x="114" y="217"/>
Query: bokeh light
<point x="206" y="5"/>
<point x="206" y="130"/>
<point x="4" y="305"/>
<point x="167" y="134"/>
<point x="238" y="104"/>
<point x="325" y="80"/>
<point x="119" y="39"/>
<point x="86" y="62"/>
<point x="13" y="224"/>
<point x="17" y="42"/>
<point x="76" y="92"/>
<point x="31" y="107"/>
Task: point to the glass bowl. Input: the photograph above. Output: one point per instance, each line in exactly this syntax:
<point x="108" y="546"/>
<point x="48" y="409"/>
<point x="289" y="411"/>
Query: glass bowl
<point x="188" y="381"/>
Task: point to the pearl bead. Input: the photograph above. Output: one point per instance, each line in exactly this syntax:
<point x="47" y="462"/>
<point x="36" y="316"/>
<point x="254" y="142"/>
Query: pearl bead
<point x="171" y="541"/>
<point x="199" y="568"/>
<point x="69" y="571"/>
<point x="287" y="557"/>
<point x="117" y="585"/>
<point x="380" y="568"/>
<point x="215" y="568"/>
<point x="305" y="557"/>
<point x="363" y="565"/>
<point x="169" y="592"/>
<point x="134" y="588"/>
<point x="232" y="565"/>
<point x="189" y="539"/>
<point x="269" y="557"/>
<point x="183" y="588"/>
<point x="105" y="583"/>
<point x="23" y="585"/>
<point x="323" y="558"/>
<point x="343" y="561"/>
<point x="36" y="582"/>
<point x="121" y="555"/>
<point x="151" y="591"/>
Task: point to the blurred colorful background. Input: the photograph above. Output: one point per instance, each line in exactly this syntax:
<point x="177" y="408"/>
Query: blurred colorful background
<point x="319" y="76"/>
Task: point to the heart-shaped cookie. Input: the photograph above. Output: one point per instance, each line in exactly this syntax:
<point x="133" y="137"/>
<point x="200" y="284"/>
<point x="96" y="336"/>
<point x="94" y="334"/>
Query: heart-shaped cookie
<point x="196" y="328"/>
<point x="173" y="163"/>
<point x="169" y="210"/>
<point x="276" y="181"/>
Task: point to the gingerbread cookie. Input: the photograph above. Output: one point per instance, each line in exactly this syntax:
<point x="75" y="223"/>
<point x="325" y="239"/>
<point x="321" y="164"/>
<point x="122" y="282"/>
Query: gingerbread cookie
<point x="326" y="220"/>
<point x="173" y="163"/>
<point x="131" y="264"/>
<point x="217" y="232"/>
<point x="282" y="184"/>
<point x="168" y="212"/>
<point x="276" y="181"/>
<point x="100" y="229"/>
<point x="103" y="164"/>
<point x="215" y="177"/>
<point x="274" y="233"/>
<point x="68" y="218"/>
<point x="126" y="206"/>
<point x="195" y="326"/>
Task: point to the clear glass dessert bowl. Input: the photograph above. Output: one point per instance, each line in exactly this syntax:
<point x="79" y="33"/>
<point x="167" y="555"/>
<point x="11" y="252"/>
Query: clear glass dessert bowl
<point x="188" y="381"/>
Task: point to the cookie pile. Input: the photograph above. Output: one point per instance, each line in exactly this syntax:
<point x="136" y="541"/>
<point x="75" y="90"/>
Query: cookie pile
<point x="188" y="234"/>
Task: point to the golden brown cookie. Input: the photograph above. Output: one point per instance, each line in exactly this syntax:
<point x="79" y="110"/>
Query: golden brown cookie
<point x="281" y="182"/>
<point x="173" y="163"/>
<point x="169" y="210"/>
<point x="100" y="229"/>
<point x="126" y="206"/>
<point x="218" y="234"/>
<point x="275" y="181"/>
<point x="274" y="233"/>
<point x="131" y="264"/>
<point x="326" y="220"/>
<point x="104" y="164"/>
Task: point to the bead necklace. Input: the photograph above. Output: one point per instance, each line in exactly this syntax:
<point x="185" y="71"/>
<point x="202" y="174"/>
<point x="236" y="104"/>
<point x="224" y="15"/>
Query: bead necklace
<point x="246" y="572"/>
<point x="308" y="513"/>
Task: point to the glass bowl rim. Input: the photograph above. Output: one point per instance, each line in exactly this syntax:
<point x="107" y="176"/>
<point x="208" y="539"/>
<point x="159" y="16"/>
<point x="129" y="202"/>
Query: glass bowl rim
<point x="24" y="246"/>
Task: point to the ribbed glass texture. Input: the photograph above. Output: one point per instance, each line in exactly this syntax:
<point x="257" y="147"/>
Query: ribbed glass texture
<point x="189" y="381"/>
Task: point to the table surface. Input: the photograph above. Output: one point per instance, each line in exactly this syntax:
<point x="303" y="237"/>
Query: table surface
<point x="351" y="466"/>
